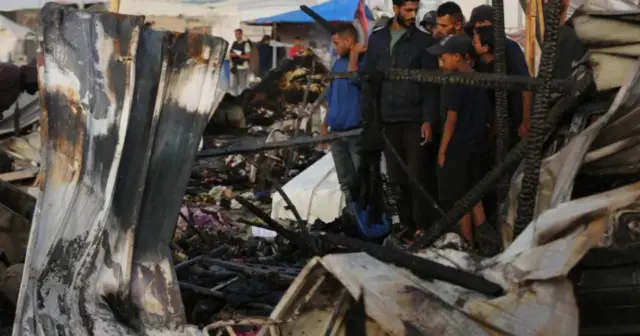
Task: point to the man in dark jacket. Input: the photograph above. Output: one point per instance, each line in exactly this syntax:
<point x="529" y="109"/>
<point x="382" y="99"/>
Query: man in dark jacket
<point x="406" y="107"/>
<point x="265" y="55"/>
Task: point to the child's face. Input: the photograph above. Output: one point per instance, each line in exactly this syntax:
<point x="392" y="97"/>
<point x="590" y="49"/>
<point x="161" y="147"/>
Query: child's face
<point x="449" y="62"/>
<point x="477" y="45"/>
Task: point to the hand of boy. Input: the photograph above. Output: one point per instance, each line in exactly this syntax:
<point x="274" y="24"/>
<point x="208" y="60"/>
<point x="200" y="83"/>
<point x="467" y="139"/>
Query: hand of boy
<point x="425" y="132"/>
<point x="441" y="157"/>
<point x="324" y="131"/>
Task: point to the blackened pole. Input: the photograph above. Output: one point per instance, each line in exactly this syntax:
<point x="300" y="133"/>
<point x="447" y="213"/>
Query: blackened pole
<point x="502" y="116"/>
<point x="534" y="151"/>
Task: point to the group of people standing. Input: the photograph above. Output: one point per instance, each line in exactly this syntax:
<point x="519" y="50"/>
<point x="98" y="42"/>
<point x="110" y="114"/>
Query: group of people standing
<point x="240" y="56"/>
<point x="437" y="131"/>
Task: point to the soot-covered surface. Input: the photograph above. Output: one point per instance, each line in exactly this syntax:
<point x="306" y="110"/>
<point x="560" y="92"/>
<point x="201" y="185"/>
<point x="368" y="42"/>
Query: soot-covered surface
<point x="115" y="146"/>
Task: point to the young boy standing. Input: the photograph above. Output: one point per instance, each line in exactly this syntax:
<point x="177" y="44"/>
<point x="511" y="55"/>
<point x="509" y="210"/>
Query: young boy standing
<point x="462" y="155"/>
<point x="343" y="99"/>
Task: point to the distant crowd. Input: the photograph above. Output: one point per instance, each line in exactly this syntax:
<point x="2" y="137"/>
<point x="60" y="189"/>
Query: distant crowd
<point x="240" y="57"/>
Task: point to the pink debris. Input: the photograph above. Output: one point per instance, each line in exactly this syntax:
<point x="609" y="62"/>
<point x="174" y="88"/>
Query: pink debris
<point x="207" y="219"/>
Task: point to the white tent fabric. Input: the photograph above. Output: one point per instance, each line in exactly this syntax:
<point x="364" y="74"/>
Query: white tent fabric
<point x="15" y="29"/>
<point x="315" y="192"/>
<point x="222" y="16"/>
<point x="12" y="35"/>
<point x="15" y="5"/>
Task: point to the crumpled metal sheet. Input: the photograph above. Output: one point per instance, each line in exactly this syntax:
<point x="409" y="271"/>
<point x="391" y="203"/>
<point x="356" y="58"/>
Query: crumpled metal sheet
<point x="612" y="33"/>
<point x="533" y="271"/>
<point x="557" y="172"/>
<point x="123" y="111"/>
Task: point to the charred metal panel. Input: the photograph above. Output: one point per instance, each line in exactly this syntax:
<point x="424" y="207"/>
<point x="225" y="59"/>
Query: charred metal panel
<point x="123" y="109"/>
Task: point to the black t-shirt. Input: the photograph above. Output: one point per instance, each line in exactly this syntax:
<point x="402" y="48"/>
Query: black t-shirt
<point x="517" y="66"/>
<point x="473" y="110"/>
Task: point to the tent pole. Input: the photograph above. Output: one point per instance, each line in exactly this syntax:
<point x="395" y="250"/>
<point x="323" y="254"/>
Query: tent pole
<point x="530" y="29"/>
<point x="274" y="50"/>
<point x="114" y="6"/>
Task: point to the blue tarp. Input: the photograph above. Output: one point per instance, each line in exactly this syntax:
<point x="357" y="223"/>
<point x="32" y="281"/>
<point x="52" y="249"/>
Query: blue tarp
<point x="332" y="11"/>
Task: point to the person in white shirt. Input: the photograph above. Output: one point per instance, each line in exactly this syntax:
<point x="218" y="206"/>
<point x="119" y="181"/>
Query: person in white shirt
<point x="239" y="55"/>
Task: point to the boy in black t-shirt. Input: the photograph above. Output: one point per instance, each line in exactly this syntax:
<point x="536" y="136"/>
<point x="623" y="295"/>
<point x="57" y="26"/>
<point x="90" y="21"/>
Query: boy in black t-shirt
<point x="483" y="43"/>
<point x="462" y="156"/>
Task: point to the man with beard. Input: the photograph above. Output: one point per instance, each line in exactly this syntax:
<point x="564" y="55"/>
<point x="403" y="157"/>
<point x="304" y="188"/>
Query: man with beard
<point x="343" y="100"/>
<point x="450" y="20"/>
<point x="406" y="108"/>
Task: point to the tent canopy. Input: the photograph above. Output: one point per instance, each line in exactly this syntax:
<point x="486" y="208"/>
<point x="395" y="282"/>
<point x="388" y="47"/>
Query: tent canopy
<point x="332" y="10"/>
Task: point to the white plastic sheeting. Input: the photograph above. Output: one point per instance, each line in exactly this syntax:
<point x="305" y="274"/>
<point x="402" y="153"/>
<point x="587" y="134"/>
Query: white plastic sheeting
<point x="11" y="35"/>
<point x="222" y="16"/>
<point x="315" y="192"/>
<point x="15" y="5"/>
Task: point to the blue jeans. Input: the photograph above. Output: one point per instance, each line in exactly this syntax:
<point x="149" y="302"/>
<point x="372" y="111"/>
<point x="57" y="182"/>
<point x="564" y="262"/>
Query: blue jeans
<point x="347" y="162"/>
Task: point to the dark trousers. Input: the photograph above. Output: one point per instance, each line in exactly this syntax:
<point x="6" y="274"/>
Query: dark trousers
<point x="405" y="139"/>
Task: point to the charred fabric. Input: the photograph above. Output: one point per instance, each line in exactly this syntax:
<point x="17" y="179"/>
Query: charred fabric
<point x="140" y="265"/>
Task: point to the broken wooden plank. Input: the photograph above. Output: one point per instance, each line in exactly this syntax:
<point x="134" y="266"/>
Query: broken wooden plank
<point x="19" y="175"/>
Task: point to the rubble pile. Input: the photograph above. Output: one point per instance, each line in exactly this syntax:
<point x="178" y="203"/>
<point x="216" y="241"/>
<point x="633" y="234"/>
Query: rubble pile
<point x="225" y="270"/>
<point x="229" y="264"/>
<point x="286" y="91"/>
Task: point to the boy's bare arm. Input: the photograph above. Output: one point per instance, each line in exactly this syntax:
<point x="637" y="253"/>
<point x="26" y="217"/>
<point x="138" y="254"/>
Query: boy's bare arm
<point x="449" y="129"/>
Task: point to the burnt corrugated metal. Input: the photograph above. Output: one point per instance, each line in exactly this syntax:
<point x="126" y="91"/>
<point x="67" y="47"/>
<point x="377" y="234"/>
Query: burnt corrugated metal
<point x="123" y="109"/>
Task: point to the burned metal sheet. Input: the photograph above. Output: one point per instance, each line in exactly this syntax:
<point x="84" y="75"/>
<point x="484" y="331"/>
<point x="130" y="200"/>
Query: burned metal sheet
<point x="613" y="42"/>
<point x="539" y="298"/>
<point x="558" y="172"/>
<point x="123" y="111"/>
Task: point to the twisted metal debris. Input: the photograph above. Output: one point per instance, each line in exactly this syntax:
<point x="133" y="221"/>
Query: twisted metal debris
<point x="483" y="80"/>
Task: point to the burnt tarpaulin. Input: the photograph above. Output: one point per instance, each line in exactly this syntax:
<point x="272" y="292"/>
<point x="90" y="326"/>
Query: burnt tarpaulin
<point x="123" y="109"/>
